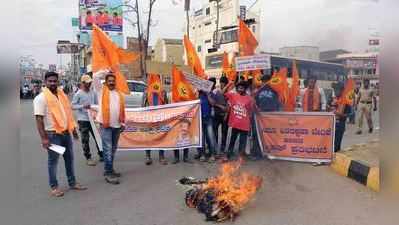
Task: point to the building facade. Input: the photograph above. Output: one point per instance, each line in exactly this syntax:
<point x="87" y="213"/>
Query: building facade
<point x="211" y="38"/>
<point x="303" y="52"/>
<point x="360" y="65"/>
<point x="168" y="50"/>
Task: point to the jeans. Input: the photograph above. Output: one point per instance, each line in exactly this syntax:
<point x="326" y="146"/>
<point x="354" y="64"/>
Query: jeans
<point x="177" y="154"/>
<point x="208" y="136"/>
<point x="219" y="120"/>
<point x="85" y="131"/>
<point x="255" y="150"/>
<point x="352" y="116"/>
<point x="339" y="134"/>
<point x="64" y="140"/>
<point x="242" y="141"/>
<point x="110" y="138"/>
<point x="161" y="154"/>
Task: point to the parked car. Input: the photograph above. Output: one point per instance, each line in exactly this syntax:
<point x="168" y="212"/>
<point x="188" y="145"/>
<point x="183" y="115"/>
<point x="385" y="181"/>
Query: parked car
<point x="137" y="89"/>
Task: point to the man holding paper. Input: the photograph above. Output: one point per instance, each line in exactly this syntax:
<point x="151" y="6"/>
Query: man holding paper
<point x="55" y="123"/>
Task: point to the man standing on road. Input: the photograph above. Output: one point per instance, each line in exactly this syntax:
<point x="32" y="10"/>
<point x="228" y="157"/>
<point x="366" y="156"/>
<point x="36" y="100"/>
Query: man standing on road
<point x="81" y="102"/>
<point x="313" y="99"/>
<point x="155" y="96"/>
<point x="266" y="100"/>
<point x="365" y="101"/>
<point x="111" y="116"/>
<point x="55" y="123"/>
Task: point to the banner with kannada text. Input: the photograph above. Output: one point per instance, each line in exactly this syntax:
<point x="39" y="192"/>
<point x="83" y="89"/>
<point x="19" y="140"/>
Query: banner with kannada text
<point x="165" y="127"/>
<point x="295" y="136"/>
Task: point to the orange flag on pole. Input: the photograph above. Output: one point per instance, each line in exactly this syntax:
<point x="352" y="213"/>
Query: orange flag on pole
<point x="257" y="78"/>
<point x="279" y="83"/>
<point x="228" y="69"/>
<point x="193" y="59"/>
<point x="108" y="56"/>
<point x="348" y="93"/>
<point x="155" y="86"/>
<point x="294" y="90"/>
<point x="182" y="90"/>
<point x="247" y="41"/>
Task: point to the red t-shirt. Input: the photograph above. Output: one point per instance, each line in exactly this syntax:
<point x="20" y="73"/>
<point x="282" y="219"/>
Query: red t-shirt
<point x="240" y="110"/>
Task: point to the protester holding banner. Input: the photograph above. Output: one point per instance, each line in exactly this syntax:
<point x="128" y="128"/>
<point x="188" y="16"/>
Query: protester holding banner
<point x="266" y="100"/>
<point x="55" y="124"/>
<point x="111" y="116"/>
<point x="155" y="95"/>
<point x="240" y="111"/>
<point x="81" y="102"/>
<point x="313" y="98"/>
<point x="341" y="110"/>
<point x="220" y="112"/>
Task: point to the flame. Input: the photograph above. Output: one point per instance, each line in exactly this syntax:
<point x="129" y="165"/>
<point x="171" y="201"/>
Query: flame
<point x="234" y="187"/>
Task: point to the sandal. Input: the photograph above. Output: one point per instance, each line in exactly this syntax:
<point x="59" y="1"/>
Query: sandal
<point x="56" y="193"/>
<point x="148" y="161"/>
<point x="163" y="162"/>
<point x="78" y="187"/>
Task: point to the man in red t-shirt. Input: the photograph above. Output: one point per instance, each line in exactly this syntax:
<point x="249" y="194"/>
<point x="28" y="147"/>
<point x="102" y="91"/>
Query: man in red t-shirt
<point x="240" y="111"/>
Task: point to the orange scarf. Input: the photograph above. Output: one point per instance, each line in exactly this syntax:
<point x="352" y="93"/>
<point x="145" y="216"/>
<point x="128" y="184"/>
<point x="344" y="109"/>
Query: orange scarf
<point x="316" y="100"/>
<point x="56" y="111"/>
<point x="105" y="107"/>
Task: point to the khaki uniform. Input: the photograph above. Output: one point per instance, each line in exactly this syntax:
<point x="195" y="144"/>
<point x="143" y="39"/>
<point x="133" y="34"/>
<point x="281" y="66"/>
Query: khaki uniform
<point x="365" y="107"/>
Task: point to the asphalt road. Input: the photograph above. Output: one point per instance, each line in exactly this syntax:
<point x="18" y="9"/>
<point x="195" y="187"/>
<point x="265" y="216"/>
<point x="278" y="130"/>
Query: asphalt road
<point x="292" y="193"/>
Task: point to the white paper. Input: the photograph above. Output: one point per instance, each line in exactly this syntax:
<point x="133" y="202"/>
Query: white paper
<point x="59" y="149"/>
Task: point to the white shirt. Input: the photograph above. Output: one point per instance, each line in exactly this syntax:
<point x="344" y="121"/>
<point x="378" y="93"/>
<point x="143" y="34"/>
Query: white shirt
<point x="114" y="103"/>
<point x="40" y="108"/>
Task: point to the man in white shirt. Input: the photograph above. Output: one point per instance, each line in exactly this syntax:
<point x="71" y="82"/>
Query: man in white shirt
<point x="112" y="124"/>
<point x="56" y="132"/>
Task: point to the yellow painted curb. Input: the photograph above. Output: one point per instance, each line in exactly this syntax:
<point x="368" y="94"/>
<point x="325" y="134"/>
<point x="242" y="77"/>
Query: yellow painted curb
<point x="373" y="179"/>
<point x="341" y="164"/>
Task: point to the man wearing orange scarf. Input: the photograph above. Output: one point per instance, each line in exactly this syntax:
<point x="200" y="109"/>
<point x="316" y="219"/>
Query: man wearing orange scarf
<point x="313" y="99"/>
<point x="55" y="123"/>
<point x="111" y="116"/>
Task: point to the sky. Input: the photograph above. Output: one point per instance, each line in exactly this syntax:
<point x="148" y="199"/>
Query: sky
<point x="329" y="24"/>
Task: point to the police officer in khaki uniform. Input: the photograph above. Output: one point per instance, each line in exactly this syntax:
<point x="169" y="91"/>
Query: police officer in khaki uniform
<point x="365" y="101"/>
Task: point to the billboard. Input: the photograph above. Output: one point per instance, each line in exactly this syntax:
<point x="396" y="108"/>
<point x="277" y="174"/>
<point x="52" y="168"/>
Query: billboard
<point x="116" y="37"/>
<point x="107" y="14"/>
<point x="67" y="48"/>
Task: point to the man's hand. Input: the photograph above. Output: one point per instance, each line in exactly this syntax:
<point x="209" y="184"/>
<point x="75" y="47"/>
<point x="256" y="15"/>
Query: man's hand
<point x="86" y="106"/>
<point x="45" y="144"/>
<point x="375" y="108"/>
<point x="123" y="127"/>
<point x="75" y="135"/>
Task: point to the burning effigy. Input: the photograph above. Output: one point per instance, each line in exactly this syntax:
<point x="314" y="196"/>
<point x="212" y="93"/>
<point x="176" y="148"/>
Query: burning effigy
<point x="221" y="198"/>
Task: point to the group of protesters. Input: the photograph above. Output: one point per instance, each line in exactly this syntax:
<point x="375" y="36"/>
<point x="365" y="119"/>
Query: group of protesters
<point x="230" y="105"/>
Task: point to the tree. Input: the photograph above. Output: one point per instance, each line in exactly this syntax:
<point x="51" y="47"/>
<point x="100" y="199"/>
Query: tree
<point x="143" y="33"/>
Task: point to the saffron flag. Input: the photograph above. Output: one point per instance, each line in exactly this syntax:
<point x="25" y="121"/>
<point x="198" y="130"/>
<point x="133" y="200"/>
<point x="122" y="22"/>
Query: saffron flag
<point x="108" y="56"/>
<point x="193" y="59"/>
<point x="182" y="90"/>
<point x="294" y="90"/>
<point x="257" y="78"/>
<point x="155" y="86"/>
<point x="279" y="83"/>
<point x="228" y="69"/>
<point x="348" y="93"/>
<point x="247" y="41"/>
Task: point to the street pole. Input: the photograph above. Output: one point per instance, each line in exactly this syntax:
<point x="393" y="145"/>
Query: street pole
<point x="187" y="9"/>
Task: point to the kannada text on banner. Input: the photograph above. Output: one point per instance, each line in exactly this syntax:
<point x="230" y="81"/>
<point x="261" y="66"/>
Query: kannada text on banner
<point x="166" y="127"/>
<point x="307" y="137"/>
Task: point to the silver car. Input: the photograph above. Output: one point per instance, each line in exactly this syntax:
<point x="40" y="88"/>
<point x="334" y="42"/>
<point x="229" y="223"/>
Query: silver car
<point x="137" y="89"/>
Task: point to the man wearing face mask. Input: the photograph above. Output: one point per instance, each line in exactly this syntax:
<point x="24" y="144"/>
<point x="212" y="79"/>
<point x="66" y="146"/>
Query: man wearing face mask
<point x="81" y="102"/>
<point x="240" y="107"/>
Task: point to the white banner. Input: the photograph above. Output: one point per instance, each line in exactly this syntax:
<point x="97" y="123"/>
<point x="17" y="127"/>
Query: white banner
<point x="198" y="83"/>
<point x="253" y="62"/>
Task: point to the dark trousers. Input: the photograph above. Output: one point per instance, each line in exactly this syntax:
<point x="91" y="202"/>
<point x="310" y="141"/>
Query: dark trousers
<point x="243" y="135"/>
<point x="208" y="137"/>
<point x="110" y="138"/>
<point x="161" y="154"/>
<point x="219" y="120"/>
<point x="255" y="150"/>
<point x="177" y="154"/>
<point x="65" y="141"/>
<point x="339" y="134"/>
<point x="85" y="131"/>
